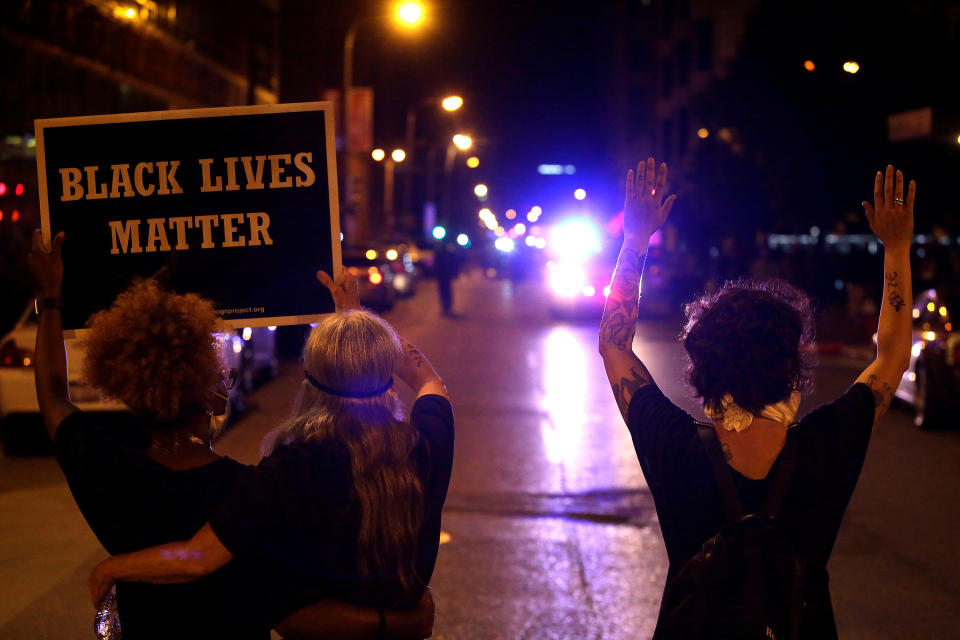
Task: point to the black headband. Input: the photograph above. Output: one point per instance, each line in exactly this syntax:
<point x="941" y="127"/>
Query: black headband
<point x="347" y="394"/>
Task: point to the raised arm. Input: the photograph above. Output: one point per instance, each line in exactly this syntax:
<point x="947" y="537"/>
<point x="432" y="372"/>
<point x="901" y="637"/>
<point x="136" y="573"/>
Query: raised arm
<point x="891" y="219"/>
<point x="50" y="370"/>
<point x="644" y="211"/>
<point x="413" y="368"/>
<point x="417" y="372"/>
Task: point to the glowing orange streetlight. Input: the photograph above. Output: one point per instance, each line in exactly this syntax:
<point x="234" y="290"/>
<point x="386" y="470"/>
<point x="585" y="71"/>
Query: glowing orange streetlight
<point x="409" y="14"/>
<point x="378" y="154"/>
<point x="452" y="103"/>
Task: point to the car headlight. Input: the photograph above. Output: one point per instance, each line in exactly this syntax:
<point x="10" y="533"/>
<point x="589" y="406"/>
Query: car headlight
<point x="567" y="279"/>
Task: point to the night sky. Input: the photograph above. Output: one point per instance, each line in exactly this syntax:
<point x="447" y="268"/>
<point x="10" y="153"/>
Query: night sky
<point x="527" y="71"/>
<point x="532" y="75"/>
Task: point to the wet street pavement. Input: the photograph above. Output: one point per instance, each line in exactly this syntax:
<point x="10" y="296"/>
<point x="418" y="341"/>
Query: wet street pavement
<point x="550" y="531"/>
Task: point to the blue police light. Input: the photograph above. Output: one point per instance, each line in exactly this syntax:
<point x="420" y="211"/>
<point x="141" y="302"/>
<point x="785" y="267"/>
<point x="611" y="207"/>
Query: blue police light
<point x="439" y="232"/>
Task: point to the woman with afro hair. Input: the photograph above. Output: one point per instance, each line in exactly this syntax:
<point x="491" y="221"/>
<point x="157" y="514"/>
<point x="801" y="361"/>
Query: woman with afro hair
<point x="155" y="478"/>
<point x="750" y="358"/>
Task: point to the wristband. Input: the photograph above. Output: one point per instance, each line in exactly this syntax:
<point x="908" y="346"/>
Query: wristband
<point x="42" y="304"/>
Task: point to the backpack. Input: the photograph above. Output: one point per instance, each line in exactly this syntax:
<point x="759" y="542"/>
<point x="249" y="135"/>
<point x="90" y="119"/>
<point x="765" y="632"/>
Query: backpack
<point x="747" y="582"/>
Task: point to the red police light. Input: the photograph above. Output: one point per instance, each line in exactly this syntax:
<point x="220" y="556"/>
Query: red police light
<point x="3" y="188"/>
<point x="1" y="214"/>
<point x="19" y="189"/>
<point x="15" y="216"/>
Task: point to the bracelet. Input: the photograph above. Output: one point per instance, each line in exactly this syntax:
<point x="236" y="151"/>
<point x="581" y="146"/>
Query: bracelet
<point x="382" y="626"/>
<point x="42" y="304"/>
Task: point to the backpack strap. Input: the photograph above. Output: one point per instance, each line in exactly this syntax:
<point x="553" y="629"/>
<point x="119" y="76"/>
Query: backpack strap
<point x="778" y="490"/>
<point x="721" y="472"/>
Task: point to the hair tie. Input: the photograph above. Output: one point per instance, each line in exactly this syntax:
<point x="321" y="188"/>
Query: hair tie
<point x="347" y="394"/>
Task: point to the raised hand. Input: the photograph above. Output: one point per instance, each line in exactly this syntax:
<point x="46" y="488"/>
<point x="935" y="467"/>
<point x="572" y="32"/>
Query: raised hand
<point x="345" y="292"/>
<point x="891" y="216"/>
<point x="644" y="208"/>
<point x="46" y="265"/>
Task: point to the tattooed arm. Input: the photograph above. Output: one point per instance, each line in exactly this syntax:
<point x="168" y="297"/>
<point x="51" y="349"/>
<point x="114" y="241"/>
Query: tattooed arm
<point x="415" y="370"/>
<point x="893" y="225"/>
<point x="644" y="211"/>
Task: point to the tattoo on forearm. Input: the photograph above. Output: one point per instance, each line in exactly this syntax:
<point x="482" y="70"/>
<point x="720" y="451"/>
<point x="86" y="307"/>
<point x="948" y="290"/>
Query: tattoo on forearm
<point x="414" y="353"/>
<point x="896" y="300"/>
<point x="619" y="323"/>
<point x="882" y="394"/>
<point x="626" y="278"/>
<point x="620" y="311"/>
<point x="624" y="390"/>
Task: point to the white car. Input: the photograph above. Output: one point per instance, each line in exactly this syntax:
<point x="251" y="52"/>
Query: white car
<point x="251" y="351"/>
<point x="18" y="395"/>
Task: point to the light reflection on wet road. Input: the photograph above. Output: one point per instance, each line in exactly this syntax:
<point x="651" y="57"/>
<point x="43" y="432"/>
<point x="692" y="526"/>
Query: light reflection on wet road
<point x="553" y="532"/>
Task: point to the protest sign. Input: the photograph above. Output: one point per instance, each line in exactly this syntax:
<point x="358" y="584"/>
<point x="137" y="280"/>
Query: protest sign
<point x="237" y="204"/>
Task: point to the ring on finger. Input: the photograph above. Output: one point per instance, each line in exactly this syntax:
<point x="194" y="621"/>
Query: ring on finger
<point x="898" y="202"/>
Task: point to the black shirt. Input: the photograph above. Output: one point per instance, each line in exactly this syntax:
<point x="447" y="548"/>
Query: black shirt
<point x="132" y="502"/>
<point x="831" y="445"/>
<point x="298" y="517"/>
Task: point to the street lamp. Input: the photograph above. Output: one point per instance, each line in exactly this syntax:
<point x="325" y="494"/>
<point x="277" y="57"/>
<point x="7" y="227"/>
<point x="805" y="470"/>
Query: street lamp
<point x="410" y="14"/>
<point x="462" y="142"/>
<point x="480" y="190"/>
<point x="850" y="66"/>
<point x="473" y="162"/>
<point x="452" y="103"/>
<point x="397" y="155"/>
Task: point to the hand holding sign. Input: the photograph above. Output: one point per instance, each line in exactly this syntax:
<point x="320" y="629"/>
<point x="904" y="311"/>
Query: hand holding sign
<point x="346" y="294"/>
<point x="46" y="265"/>
<point x="230" y="201"/>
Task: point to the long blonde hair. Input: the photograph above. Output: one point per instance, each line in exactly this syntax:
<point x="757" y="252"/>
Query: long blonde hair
<point x="357" y="352"/>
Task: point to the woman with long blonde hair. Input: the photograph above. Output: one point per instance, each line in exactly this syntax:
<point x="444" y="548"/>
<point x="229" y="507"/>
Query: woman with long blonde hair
<point x="347" y="502"/>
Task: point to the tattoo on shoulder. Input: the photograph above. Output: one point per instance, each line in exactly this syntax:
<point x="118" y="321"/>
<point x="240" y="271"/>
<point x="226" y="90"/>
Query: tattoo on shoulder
<point x="624" y="390"/>
<point x="727" y="454"/>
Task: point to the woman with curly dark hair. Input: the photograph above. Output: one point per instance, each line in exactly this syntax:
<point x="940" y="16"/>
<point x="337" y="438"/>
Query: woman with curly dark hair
<point x="159" y="353"/>
<point x="750" y="359"/>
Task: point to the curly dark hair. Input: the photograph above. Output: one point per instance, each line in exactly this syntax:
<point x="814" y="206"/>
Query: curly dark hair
<point x="752" y="340"/>
<point x="155" y="350"/>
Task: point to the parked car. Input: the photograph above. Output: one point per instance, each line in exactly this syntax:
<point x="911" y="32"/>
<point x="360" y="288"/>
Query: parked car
<point x="252" y="351"/>
<point x="932" y="382"/>
<point x="402" y="262"/>
<point x="257" y="360"/>
<point x="374" y="277"/>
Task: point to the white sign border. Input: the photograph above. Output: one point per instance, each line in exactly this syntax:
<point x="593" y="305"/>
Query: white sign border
<point x="40" y="125"/>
